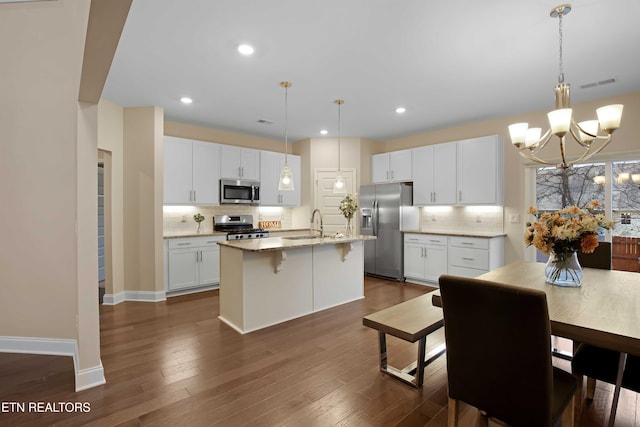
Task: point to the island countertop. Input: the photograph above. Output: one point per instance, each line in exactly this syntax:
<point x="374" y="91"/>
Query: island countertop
<point x="293" y="242"/>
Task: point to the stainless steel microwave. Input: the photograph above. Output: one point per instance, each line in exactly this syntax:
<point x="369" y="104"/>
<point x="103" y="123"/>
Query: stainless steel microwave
<point x="239" y="191"/>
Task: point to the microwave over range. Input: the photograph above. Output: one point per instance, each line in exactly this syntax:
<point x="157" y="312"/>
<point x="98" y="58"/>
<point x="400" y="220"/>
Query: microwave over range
<point x="239" y="191"/>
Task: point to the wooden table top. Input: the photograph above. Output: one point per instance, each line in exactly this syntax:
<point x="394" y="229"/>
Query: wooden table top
<point x="409" y="320"/>
<point x="604" y="311"/>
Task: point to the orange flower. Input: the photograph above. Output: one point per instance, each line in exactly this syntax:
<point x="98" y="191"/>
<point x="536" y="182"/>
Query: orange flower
<point x="589" y="243"/>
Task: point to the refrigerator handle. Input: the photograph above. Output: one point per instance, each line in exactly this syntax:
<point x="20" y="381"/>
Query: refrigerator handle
<point x="374" y="217"/>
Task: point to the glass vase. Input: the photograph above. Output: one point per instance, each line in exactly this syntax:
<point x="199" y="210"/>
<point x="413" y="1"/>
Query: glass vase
<point x="348" y="231"/>
<point x="197" y="227"/>
<point x="563" y="269"/>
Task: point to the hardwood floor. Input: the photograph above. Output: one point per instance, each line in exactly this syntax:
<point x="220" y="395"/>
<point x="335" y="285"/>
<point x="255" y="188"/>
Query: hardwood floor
<point x="175" y="363"/>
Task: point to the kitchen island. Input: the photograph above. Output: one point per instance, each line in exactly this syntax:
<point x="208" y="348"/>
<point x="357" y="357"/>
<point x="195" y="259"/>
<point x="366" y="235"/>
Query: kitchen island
<point x="271" y="280"/>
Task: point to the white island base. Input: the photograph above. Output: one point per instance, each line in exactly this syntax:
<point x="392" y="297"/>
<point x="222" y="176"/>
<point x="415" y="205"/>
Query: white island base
<point x="271" y="283"/>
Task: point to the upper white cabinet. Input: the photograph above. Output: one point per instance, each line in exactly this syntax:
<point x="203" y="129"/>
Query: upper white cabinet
<point x="270" y="165"/>
<point x="481" y="171"/>
<point x="391" y="167"/>
<point x="191" y="172"/>
<point x="434" y="174"/>
<point x="239" y="163"/>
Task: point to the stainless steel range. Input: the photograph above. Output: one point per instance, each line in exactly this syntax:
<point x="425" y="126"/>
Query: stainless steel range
<point x="238" y="227"/>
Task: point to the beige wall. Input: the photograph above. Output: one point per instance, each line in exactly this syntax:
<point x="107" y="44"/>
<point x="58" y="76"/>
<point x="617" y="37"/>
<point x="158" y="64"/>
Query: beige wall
<point x="200" y="133"/>
<point x="143" y="180"/>
<point x="110" y="139"/>
<point x="48" y="262"/>
<point x="625" y="141"/>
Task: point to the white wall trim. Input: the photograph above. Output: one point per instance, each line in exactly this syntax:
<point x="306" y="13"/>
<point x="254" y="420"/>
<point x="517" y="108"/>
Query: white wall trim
<point x="140" y="296"/>
<point x="84" y="379"/>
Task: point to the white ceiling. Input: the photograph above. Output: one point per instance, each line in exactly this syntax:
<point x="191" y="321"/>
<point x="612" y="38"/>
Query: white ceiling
<point x="448" y="62"/>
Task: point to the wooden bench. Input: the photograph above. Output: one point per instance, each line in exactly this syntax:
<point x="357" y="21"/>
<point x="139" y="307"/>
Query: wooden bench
<point x="411" y="321"/>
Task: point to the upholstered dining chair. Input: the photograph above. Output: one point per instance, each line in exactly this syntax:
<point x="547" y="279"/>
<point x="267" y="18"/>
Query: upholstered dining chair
<point x="598" y="363"/>
<point x="498" y="358"/>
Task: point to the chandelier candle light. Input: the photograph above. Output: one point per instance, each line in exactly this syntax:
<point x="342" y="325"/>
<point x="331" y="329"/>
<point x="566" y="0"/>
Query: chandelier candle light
<point x="339" y="185"/>
<point x="286" y="177"/>
<point x="528" y="140"/>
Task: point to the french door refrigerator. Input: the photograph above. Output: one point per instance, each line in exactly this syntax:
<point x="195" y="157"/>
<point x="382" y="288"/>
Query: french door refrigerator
<point x="385" y="212"/>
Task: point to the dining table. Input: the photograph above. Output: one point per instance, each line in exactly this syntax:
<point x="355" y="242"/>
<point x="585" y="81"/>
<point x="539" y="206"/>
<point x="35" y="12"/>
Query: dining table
<point x="604" y="311"/>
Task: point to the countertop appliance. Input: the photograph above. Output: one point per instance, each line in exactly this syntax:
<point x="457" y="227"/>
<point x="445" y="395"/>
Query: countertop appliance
<point x="238" y="227"/>
<point x="385" y="212"/>
<point x="239" y="191"/>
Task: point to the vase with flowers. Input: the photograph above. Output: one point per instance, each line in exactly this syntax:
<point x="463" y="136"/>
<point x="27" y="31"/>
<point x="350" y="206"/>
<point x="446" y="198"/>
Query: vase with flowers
<point x="561" y="234"/>
<point x="198" y="218"/>
<point x="349" y="206"/>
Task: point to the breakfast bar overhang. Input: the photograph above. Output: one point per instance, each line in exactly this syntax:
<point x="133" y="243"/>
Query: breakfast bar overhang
<point x="264" y="282"/>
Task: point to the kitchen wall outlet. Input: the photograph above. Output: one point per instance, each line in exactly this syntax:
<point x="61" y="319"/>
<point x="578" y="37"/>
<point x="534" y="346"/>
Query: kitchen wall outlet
<point x="183" y="219"/>
<point x="433" y="218"/>
<point x="514" y="218"/>
<point x="478" y="218"/>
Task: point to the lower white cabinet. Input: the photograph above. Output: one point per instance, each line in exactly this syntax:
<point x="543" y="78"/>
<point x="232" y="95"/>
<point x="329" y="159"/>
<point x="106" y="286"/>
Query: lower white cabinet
<point x="191" y="263"/>
<point x="425" y="256"/>
<point x="428" y="256"/>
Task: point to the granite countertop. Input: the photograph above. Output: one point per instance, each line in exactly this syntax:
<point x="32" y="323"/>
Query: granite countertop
<point x="280" y="243"/>
<point x="178" y="235"/>
<point x="487" y="235"/>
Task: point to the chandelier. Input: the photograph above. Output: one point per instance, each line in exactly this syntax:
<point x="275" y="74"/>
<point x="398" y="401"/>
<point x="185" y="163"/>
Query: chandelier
<point x="339" y="184"/>
<point x="286" y="177"/>
<point x="528" y="140"/>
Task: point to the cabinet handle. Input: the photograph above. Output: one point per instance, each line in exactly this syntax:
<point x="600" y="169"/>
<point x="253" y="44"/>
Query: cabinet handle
<point x="424" y="252"/>
<point x="391" y="174"/>
<point x="387" y="175"/>
<point x="468" y="259"/>
<point x="184" y="244"/>
<point x="460" y="195"/>
<point x="211" y="241"/>
<point x="435" y="241"/>
<point x="194" y="195"/>
<point x="468" y="243"/>
<point x="434" y="197"/>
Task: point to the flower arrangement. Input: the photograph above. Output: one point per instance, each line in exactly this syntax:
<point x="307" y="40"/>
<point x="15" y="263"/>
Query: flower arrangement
<point x="566" y="230"/>
<point x="198" y="218"/>
<point x="349" y="205"/>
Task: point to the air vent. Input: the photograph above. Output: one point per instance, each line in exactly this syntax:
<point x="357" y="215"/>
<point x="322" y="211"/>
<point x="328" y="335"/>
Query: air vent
<point x="600" y="83"/>
<point x="265" y="122"/>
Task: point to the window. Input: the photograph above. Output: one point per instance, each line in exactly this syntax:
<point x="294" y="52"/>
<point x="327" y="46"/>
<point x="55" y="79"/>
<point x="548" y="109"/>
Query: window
<point x="618" y="191"/>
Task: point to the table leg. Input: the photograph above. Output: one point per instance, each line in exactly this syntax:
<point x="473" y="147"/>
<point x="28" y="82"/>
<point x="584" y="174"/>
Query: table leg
<point x="616" y="392"/>
<point x="421" y="362"/>
<point x="382" y="339"/>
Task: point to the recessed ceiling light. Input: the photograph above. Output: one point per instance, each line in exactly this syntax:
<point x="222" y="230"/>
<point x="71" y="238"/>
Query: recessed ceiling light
<point x="324" y="131"/>
<point x="400" y="110"/>
<point x="186" y="100"/>
<point x="245" y="49"/>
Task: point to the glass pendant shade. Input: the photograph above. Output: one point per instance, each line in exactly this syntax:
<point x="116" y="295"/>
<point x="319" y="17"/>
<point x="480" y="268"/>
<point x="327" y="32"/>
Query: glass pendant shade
<point x="591" y="129"/>
<point x="609" y="117"/>
<point x="532" y="137"/>
<point x="518" y="133"/>
<point x="339" y="185"/>
<point x="286" y="179"/>
<point x="560" y="121"/>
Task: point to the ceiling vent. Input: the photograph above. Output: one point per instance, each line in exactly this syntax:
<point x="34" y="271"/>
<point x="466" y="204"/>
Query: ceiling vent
<point x="265" y="122"/>
<point x="600" y="83"/>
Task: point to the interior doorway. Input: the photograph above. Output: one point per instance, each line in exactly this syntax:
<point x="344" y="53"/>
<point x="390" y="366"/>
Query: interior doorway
<point x="101" y="283"/>
<point x="328" y="202"/>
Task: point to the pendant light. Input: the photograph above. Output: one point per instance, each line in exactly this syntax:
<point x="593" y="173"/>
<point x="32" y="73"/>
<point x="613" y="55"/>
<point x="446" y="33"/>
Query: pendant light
<point x="286" y="177"/>
<point x="340" y="184"/>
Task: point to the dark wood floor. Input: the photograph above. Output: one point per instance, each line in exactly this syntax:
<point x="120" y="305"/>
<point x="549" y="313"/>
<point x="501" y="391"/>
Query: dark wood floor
<point x="175" y="363"/>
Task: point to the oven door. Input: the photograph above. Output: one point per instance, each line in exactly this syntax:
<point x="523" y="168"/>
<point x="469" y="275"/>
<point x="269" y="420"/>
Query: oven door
<point x="236" y="191"/>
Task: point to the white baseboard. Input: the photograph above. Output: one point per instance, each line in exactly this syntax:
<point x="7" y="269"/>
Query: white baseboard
<point x="84" y="379"/>
<point x="140" y="296"/>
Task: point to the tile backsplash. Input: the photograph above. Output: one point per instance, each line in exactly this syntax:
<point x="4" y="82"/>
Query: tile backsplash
<point x="179" y="219"/>
<point x="463" y="219"/>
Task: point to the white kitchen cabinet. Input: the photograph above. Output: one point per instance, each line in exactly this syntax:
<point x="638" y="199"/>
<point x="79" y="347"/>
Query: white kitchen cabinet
<point x="473" y="256"/>
<point x="394" y="166"/>
<point x="239" y="163"/>
<point x="425" y="257"/>
<point x="481" y="171"/>
<point x="192" y="263"/>
<point x="434" y="174"/>
<point x="428" y="256"/>
<point x="191" y="172"/>
<point x="270" y="165"/>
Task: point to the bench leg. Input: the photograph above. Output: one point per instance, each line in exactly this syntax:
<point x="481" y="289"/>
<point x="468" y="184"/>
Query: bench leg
<point x="412" y="374"/>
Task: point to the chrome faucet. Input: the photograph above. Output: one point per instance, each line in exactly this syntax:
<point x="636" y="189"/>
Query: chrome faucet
<point x="313" y="215"/>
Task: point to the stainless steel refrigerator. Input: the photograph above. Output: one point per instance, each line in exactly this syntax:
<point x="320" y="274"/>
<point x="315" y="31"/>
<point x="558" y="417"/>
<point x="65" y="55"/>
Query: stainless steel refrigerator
<point x="385" y="212"/>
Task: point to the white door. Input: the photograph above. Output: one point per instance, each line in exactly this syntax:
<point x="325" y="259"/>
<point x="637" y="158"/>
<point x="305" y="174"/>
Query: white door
<point x="328" y="202"/>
